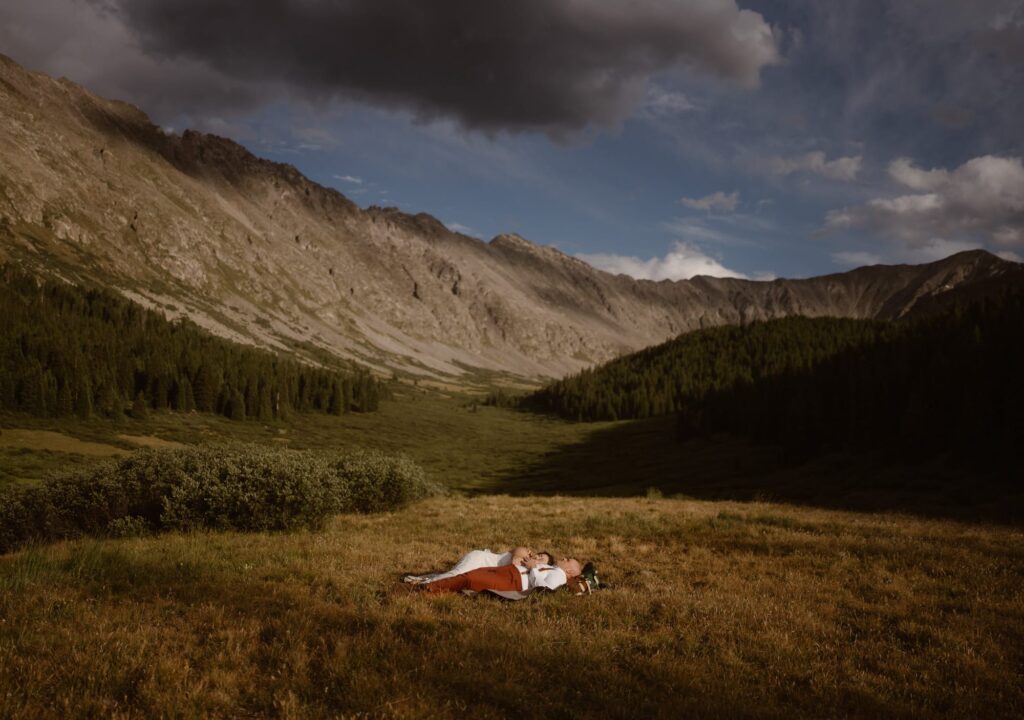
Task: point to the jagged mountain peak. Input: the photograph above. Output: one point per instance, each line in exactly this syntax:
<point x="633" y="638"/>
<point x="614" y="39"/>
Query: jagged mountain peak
<point x="196" y="224"/>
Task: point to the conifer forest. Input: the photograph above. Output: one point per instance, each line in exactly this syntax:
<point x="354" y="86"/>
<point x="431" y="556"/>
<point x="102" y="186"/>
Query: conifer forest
<point x="65" y="350"/>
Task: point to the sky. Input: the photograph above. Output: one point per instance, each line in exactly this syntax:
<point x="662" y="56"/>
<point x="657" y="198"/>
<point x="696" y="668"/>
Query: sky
<point x="659" y="138"/>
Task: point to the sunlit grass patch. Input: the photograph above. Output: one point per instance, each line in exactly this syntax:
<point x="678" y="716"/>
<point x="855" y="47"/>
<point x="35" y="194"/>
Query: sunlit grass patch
<point x="56" y="442"/>
<point x="463" y="446"/>
<point x="711" y="611"/>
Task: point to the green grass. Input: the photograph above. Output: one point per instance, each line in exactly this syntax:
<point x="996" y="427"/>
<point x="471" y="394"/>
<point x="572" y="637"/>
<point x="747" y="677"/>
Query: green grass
<point x="491" y="449"/>
<point x="716" y="610"/>
<point x="466" y="449"/>
<point x="23" y="465"/>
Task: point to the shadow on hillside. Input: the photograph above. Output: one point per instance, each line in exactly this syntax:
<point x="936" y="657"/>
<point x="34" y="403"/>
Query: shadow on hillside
<point x="631" y="458"/>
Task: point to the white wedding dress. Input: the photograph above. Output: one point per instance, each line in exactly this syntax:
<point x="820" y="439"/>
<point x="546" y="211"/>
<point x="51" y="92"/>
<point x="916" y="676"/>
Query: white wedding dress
<point x="470" y="561"/>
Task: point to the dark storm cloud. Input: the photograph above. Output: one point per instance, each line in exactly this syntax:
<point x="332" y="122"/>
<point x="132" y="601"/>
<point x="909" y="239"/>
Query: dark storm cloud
<point x="551" y="65"/>
<point x="935" y="79"/>
<point x="88" y="43"/>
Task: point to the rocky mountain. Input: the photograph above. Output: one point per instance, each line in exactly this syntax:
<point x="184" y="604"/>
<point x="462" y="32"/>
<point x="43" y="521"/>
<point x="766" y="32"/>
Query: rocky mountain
<point x="92" y="190"/>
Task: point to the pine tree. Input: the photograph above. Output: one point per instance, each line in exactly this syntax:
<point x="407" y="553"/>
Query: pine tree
<point x="337" y="402"/>
<point x="236" y="405"/>
<point x="48" y="392"/>
<point x="346" y="393"/>
<point x="161" y="389"/>
<point x="184" y="402"/>
<point x="207" y="388"/>
<point x="139" y="411"/>
<point x="65" y="399"/>
<point x="83" y="397"/>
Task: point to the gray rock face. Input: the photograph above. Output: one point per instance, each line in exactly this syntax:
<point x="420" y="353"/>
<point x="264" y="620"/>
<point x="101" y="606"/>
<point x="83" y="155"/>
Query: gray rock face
<point x="194" y="224"/>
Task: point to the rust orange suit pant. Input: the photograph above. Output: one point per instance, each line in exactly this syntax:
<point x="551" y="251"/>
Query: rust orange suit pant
<point x="506" y="577"/>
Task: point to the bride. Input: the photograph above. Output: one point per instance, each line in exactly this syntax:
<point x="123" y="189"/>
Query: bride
<point x="476" y="559"/>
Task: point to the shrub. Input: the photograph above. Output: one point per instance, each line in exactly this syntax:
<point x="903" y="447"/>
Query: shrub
<point x="129" y="526"/>
<point x="249" y="488"/>
<point x="369" y="481"/>
<point x="229" y="487"/>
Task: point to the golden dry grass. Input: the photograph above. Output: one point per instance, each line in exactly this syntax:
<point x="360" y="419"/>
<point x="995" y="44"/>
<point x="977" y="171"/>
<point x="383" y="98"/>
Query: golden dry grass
<point x="717" y="610"/>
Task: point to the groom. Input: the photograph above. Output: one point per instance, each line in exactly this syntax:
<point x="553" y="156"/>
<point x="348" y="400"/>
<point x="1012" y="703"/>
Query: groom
<point x="513" y="582"/>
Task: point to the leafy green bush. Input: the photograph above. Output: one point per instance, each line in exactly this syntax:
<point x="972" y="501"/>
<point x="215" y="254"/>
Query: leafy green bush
<point x="229" y="487"/>
<point x="373" y="482"/>
<point x="130" y="526"/>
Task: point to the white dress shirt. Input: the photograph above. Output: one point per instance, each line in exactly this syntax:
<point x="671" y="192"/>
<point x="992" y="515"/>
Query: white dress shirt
<point x="545" y="576"/>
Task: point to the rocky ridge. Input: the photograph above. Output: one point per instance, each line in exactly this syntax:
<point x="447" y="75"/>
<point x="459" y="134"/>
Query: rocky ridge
<point x="194" y="224"/>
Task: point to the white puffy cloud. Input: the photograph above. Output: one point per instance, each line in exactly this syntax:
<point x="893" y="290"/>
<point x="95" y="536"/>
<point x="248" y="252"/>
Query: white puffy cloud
<point x="349" y="179"/>
<point x="816" y="162"/>
<point x="716" y="201"/>
<point x="682" y="262"/>
<point x="988" y="187"/>
<point x="902" y="170"/>
<point x="977" y="204"/>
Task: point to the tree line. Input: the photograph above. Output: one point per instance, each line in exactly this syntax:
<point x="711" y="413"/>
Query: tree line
<point x="946" y="385"/>
<point x="665" y="378"/>
<point x="67" y="350"/>
<point x="947" y="382"/>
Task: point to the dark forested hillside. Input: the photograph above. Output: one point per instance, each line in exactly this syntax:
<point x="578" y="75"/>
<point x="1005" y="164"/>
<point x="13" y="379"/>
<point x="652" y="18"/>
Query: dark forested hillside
<point x="66" y="350"/>
<point x="665" y="378"/>
<point x="953" y="381"/>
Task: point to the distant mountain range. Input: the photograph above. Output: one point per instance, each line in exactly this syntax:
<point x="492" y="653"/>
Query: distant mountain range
<point x="92" y="191"/>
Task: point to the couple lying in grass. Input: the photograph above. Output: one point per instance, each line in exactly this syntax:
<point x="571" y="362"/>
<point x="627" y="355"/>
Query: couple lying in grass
<point x="513" y="575"/>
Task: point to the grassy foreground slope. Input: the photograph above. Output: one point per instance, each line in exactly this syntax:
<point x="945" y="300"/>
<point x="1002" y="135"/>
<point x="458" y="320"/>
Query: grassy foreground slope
<point x="717" y="610"/>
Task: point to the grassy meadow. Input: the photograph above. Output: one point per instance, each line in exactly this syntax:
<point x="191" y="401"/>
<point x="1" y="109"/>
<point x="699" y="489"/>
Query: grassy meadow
<point x="716" y="609"/>
<point x="740" y="588"/>
<point x="473" y="448"/>
<point x="464" y="446"/>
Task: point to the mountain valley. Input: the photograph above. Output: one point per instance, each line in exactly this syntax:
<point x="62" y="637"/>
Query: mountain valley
<point x="195" y="225"/>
